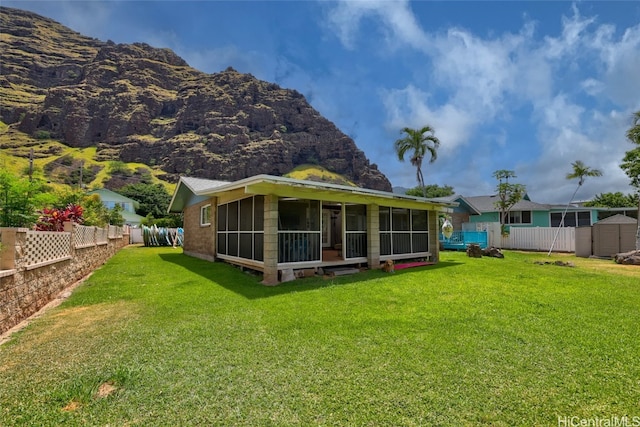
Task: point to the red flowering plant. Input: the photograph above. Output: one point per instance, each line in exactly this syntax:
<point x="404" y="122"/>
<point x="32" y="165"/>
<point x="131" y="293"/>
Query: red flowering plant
<point x="53" y="219"/>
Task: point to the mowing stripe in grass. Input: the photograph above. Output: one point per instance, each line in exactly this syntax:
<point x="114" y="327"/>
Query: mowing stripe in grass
<point x="468" y="341"/>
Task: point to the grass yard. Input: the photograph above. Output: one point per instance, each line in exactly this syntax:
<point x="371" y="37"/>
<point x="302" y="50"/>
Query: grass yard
<point x="158" y="338"/>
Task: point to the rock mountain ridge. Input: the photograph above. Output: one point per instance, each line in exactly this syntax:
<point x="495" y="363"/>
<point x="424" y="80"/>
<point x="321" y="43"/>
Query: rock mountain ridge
<point x="137" y="103"/>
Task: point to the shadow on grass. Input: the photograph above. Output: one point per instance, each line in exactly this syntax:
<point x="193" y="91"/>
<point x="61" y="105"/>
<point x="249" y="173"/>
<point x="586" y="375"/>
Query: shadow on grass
<point x="248" y="284"/>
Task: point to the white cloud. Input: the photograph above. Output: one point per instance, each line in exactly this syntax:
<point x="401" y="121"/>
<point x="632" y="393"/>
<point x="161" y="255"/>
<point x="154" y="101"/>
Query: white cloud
<point x="400" y="25"/>
<point x="479" y="80"/>
<point x="478" y="72"/>
<point x="592" y="86"/>
<point x="568" y="134"/>
<point x="409" y="107"/>
<point x="622" y="61"/>
<point x="573" y="29"/>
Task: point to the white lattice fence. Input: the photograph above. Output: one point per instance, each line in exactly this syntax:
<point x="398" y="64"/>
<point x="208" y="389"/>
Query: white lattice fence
<point x="102" y="236"/>
<point x="46" y="246"/>
<point x="115" y="232"/>
<point x="84" y="236"/>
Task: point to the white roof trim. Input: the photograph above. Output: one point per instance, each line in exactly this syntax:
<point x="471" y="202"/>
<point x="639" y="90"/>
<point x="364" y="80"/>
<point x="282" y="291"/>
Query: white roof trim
<point x="313" y="184"/>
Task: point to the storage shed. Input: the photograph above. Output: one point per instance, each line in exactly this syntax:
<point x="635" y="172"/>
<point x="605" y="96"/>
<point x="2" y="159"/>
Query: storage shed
<point x="614" y="235"/>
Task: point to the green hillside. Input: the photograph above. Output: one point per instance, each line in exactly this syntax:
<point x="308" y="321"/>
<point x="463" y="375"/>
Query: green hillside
<point x="319" y="174"/>
<point x="61" y="165"/>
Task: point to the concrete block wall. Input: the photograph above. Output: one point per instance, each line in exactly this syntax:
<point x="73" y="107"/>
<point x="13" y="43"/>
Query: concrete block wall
<point x="24" y="291"/>
<point x="434" y="241"/>
<point x="200" y="240"/>
<point x="270" y="273"/>
<point x="373" y="236"/>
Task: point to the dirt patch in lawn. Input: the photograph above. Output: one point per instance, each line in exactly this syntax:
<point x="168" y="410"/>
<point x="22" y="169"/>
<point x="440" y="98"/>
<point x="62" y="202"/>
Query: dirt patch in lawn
<point x="105" y="390"/>
<point x="61" y="329"/>
<point x="72" y="406"/>
<point x="82" y="320"/>
<point x="59" y="299"/>
<point x="596" y="264"/>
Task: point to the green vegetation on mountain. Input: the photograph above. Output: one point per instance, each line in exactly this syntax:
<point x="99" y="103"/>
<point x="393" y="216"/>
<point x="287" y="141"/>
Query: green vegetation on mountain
<point x="318" y="173"/>
<point x="75" y="104"/>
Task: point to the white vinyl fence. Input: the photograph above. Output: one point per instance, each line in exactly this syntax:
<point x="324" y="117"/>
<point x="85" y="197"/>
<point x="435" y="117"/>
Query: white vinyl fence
<point x="541" y="239"/>
<point x="529" y="238"/>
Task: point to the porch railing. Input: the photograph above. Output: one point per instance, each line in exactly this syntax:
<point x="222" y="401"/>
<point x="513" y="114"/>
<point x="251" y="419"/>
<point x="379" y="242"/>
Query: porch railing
<point x="356" y="244"/>
<point x="298" y="246"/>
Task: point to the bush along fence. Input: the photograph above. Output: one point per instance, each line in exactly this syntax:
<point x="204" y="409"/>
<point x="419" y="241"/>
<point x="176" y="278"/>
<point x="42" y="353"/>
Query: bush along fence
<point x="35" y="266"/>
<point x="161" y="236"/>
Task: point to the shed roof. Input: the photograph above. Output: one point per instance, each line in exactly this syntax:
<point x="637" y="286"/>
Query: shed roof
<point x="618" y="219"/>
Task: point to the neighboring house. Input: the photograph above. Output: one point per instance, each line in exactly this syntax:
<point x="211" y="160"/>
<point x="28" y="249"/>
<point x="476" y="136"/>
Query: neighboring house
<point x="110" y="199"/>
<point x="272" y="224"/>
<point x="525" y="213"/>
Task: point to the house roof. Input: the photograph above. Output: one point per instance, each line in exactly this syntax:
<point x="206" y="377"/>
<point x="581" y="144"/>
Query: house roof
<point x="462" y="202"/>
<point x="481" y="204"/>
<point x="289" y="187"/>
<point x="199" y="184"/>
<point x="131" y="218"/>
<point x="488" y="204"/>
<point x="187" y="187"/>
<point x="111" y="196"/>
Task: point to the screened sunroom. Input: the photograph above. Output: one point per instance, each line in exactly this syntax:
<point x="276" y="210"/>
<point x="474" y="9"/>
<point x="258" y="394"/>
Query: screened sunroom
<point x="273" y="223"/>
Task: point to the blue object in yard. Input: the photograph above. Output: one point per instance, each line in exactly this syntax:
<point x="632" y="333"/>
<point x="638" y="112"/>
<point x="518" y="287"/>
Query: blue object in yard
<point x="460" y="239"/>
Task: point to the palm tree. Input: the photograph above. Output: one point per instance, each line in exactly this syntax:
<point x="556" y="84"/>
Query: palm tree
<point x="633" y="134"/>
<point x="419" y="142"/>
<point x="580" y="171"/>
<point x="631" y="163"/>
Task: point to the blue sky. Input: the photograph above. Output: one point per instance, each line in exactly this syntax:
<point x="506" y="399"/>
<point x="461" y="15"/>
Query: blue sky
<point x="525" y="86"/>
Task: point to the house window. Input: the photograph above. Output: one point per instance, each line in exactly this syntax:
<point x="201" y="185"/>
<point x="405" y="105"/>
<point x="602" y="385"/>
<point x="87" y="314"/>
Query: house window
<point x="519" y="217"/>
<point x="584" y="218"/>
<point x="240" y="228"/>
<point x="205" y="215"/>
<point x="403" y="231"/>
<point x="571" y="219"/>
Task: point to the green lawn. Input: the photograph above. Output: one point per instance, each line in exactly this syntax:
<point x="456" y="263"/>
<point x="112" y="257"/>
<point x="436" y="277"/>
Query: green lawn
<point x="158" y="338"/>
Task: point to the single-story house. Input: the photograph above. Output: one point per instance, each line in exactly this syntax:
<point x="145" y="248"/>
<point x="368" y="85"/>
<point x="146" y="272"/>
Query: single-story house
<point x="271" y="224"/>
<point x="526" y="213"/>
<point x="110" y="199"/>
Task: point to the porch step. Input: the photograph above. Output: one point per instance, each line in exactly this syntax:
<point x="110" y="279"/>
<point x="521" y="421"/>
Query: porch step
<point x="341" y="271"/>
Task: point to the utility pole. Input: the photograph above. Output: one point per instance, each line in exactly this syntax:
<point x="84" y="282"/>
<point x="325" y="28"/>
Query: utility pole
<point x="31" y="165"/>
<point x="81" y="167"/>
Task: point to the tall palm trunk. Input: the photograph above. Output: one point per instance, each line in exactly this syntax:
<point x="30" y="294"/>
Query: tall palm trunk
<point x="562" y="220"/>
<point x="421" y="182"/>
<point x="638" y="230"/>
